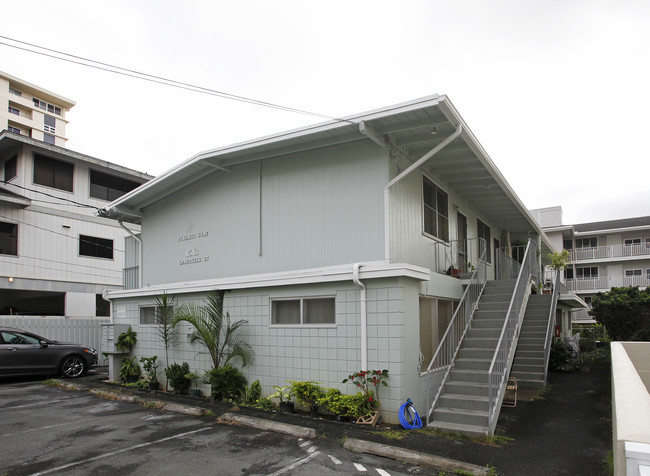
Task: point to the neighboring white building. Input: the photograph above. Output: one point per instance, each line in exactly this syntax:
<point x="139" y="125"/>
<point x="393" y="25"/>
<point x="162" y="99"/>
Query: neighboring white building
<point x="32" y="111"/>
<point x="604" y="254"/>
<point x="340" y="244"/>
<point x="57" y="256"/>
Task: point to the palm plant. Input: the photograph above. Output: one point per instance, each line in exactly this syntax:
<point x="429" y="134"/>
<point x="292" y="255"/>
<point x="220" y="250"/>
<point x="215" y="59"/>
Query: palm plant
<point x="165" y="320"/>
<point x="215" y="331"/>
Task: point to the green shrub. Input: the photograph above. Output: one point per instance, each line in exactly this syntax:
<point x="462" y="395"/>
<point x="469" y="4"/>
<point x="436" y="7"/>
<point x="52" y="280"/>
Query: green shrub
<point x="306" y="392"/>
<point x="129" y="368"/>
<point x="177" y="377"/>
<point x="265" y="404"/>
<point x="254" y="392"/>
<point x="227" y="382"/>
<point x="561" y="357"/>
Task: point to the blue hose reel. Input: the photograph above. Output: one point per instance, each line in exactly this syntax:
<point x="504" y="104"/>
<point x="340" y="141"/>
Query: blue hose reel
<point x="408" y="416"/>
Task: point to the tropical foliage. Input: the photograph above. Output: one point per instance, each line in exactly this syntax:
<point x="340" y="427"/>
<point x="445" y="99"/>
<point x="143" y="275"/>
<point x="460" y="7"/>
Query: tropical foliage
<point x="624" y="312"/>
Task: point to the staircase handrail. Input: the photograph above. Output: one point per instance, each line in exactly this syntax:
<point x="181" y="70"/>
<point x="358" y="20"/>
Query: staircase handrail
<point x="498" y="372"/>
<point x="449" y="345"/>
<point x="551" y="321"/>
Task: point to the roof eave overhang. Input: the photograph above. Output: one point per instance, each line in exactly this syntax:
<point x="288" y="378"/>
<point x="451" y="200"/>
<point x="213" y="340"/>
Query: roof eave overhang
<point x="374" y="270"/>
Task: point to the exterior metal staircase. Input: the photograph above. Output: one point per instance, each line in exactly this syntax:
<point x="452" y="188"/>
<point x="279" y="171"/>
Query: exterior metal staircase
<point x="529" y="364"/>
<point x="463" y="405"/>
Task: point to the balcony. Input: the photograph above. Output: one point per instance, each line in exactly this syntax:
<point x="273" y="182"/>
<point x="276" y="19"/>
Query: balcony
<point x="605" y="283"/>
<point x="612" y="252"/>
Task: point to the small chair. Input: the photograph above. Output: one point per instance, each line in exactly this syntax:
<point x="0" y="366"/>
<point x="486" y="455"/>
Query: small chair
<point x="510" y="397"/>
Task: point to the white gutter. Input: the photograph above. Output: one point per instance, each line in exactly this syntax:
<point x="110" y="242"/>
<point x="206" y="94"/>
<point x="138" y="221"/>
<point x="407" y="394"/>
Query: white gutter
<point x="364" y="316"/>
<point x="406" y="172"/>
<point x="140" y="252"/>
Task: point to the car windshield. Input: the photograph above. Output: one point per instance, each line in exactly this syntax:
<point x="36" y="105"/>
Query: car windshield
<point x="14" y="338"/>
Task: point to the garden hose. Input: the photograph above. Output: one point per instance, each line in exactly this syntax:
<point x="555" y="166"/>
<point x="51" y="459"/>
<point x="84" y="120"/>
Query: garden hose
<point x="408" y="416"/>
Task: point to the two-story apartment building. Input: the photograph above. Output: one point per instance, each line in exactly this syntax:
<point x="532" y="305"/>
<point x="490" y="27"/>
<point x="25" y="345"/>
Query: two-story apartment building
<point x="32" y="111"/>
<point x="341" y="244"/>
<point x="604" y="254"/>
<point x="56" y="255"/>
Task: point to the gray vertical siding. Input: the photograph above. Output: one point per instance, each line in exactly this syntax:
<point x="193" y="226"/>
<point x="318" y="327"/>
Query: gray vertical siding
<point x="318" y="209"/>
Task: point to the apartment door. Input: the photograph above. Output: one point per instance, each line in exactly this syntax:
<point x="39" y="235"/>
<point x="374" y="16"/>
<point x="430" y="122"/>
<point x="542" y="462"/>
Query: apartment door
<point x="461" y="220"/>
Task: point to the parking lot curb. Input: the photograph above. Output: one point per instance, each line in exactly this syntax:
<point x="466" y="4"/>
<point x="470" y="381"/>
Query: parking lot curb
<point x="415" y="457"/>
<point x="186" y="409"/>
<point x="262" y="424"/>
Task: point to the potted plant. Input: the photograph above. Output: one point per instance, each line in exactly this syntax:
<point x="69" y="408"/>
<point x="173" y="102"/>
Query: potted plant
<point x="126" y="340"/>
<point x="129" y="370"/>
<point x="453" y="271"/>
<point x="283" y="394"/>
<point x="307" y="393"/>
<point x="151" y="368"/>
<point x="364" y="379"/>
<point x="176" y="376"/>
<point x="195" y="391"/>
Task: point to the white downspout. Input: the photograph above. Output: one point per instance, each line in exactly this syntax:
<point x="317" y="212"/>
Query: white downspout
<point x="140" y="250"/>
<point x="364" y="316"/>
<point x="406" y="172"/>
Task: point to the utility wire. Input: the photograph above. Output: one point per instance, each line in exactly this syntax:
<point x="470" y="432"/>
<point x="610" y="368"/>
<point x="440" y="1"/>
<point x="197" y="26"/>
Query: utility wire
<point x="158" y="79"/>
<point x="79" y="204"/>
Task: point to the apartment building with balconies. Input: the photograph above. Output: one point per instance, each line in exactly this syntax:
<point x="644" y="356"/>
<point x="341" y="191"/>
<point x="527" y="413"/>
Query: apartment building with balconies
<point x="603" y="254"/>
<point x="33" y="111"/>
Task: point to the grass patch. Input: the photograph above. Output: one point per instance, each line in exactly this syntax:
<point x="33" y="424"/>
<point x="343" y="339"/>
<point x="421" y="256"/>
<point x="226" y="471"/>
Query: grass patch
<point x="392" y="434"/>
<point x="52" y="382"/>
<point x="494" y="440"/>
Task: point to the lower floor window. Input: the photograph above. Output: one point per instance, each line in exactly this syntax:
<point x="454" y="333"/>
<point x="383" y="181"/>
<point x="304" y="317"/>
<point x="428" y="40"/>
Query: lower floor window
<point x="151" y="315"/>
<point x="96" y="247"/>
<point x="303" y="311"/>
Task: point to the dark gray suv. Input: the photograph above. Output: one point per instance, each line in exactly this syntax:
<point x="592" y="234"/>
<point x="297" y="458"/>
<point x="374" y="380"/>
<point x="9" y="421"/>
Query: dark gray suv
<point x="24" y="353"/>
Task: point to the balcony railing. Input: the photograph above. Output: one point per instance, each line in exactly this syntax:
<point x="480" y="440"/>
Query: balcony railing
<point x="606" y="282"/>
<point x="130" y="277"/>
<point x="610" y="251"/>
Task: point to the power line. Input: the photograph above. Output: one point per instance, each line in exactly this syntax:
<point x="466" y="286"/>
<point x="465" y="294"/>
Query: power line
<point x="158" y="79"/>
<point x="79" y="204"/>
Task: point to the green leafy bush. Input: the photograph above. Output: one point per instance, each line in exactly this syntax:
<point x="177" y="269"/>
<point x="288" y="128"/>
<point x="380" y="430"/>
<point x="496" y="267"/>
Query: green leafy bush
<point x="306" y="392"/>
<point x="265" y="404"/>
<point x="227" y="382"/>
<point x="129" y="368"/>
<point x="254" y="392"/>
<point x="177" y="377"/>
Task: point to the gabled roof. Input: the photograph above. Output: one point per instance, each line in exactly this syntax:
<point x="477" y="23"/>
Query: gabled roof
<point x="463" y="166"/>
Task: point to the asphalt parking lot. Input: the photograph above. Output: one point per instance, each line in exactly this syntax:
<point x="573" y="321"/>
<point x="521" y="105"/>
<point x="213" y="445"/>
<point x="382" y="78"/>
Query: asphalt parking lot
<point x="49" y="430"/>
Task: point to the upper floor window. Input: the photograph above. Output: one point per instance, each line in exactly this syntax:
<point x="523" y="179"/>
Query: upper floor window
<point x="483" y="231"/>
<point x="436" y="210"/>
<point x="96" y="247"/>
<point x="15" y="130"/>
<point x="11" y="166"/>
<point x="13" y="110"/>
<point x="109" y="187"/>
<point x="303" y="311"/>
<point x="53" y="173"/>
<point x="49" y="139"/>
<point x="47" y="106"/>
<point x="633" y="241"/>
<point x="8" y="238"/>
<point x="633" y="272"/>
<point x="15" y="91"/>
<point x="587" y="242"/>
<point x="588" y="272"/>
<point x="49" y="124"/>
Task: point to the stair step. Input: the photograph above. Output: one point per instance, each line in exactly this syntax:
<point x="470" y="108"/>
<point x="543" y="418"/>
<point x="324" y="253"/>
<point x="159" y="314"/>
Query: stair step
<point x="465" y="417"/>
<point x="527" y="368"/>
<point x="466" y="353"/>
<point x="470" y="430"/>
<point x="464" y="402"/>
<point x="472" y="364"/>
<point x="529" y="360"/>
<point x="487" y="323"/>
<point x="466" y="388"/>
<point x="480" y="343"/>
<point x="484" y="333"/>
<point x="457" y="375"/>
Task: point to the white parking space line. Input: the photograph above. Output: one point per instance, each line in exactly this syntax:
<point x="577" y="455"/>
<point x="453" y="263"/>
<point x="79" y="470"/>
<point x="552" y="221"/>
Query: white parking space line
<point x="48" y="427"/>
<point x="295" y="464"/>
<point x="312" y="449"/>
<point x="382" y="472"/>
<point x="39" y="404"/>
<point x="123" y="450"/>
<point x="334" y="460"/>
<point x="360" y="467"/>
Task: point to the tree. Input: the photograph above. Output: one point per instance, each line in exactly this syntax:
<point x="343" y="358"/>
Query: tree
<point x="625" y="313"/>
<point x="559" y="260"/>
<point x="214" y="330"/>
<point x="165" y="324"/>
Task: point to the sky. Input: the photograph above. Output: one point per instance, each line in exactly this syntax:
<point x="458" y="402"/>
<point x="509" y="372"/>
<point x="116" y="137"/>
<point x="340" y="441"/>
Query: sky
<point x="556" y="91"/>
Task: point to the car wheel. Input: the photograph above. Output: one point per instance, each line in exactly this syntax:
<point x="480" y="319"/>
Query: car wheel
<point x="73" y="366"/>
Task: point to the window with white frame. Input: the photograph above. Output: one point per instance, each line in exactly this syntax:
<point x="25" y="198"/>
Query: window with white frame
<point x="587" y="272"/>
<point x="15" y="111"/>
<point x="629" y="273"/>
<point x="151" y="315"/>
<point x="436" y="210"/>
<point x="15" y="91"/>
<point x="47" y="106"/>
<point x="647" y="274"/>
<point x="95" y="247"/>
<point x="632" y="241"/>
<point x="316" y="311"/>
<point x="52" y="172"/>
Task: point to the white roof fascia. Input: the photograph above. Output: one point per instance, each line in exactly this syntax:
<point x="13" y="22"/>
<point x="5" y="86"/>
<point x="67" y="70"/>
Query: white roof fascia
<point x="612" y="230"/>
<point x="373" y="270"/>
